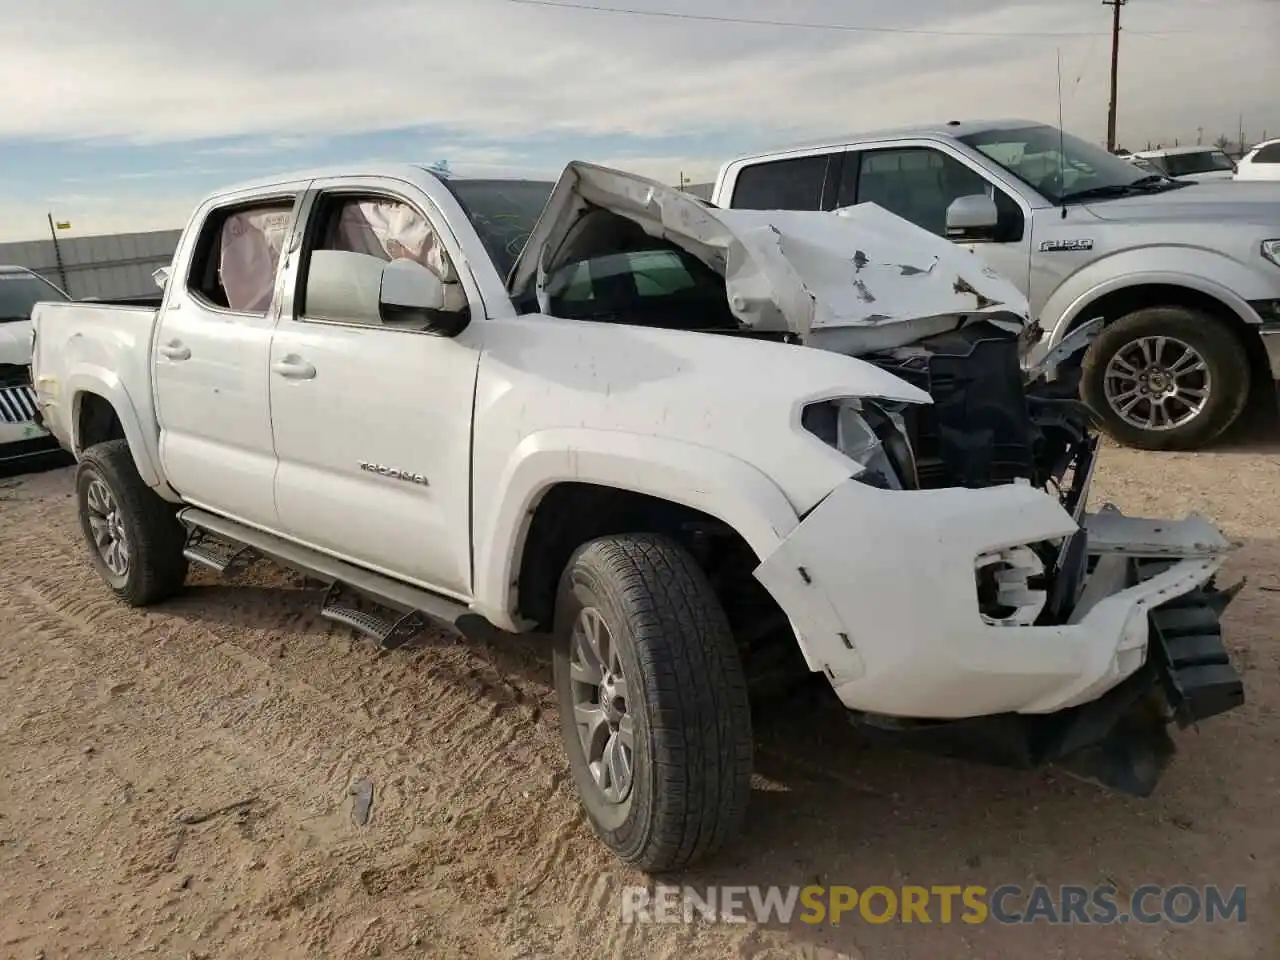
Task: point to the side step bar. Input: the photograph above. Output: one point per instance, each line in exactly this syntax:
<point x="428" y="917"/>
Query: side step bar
<point x="415" y="608"/>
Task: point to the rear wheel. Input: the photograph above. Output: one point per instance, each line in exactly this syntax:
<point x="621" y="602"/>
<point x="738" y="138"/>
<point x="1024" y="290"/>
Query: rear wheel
<point x="653" y="702"/>
<point x="1166" y="378"/>
<point x="135" y="539"/>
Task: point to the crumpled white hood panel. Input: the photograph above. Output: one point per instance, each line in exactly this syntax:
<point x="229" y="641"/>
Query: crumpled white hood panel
<point x="861" y="267"/>
<point x="15" y="342"/>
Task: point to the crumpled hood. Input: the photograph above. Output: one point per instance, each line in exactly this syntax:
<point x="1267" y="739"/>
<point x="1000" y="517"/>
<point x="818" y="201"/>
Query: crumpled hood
<point x="861" y="267"/>
<point x="15" y="342"/>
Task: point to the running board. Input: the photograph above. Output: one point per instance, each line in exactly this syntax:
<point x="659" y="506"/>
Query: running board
<point x="216" y="553"/>
<point x="390" y="633"/>
<point x="411" y="603"/>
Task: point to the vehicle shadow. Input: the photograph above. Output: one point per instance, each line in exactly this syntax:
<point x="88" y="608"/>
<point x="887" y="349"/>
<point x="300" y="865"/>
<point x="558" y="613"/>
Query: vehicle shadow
<point x="1257" y="431"/>
<point x="43" y="463"/>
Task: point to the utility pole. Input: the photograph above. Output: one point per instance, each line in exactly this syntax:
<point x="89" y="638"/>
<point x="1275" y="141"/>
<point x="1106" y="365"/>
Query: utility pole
<point x="1115" y="68"/>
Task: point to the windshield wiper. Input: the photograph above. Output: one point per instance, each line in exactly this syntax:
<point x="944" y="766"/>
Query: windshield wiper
<point x="1141" y="185"/>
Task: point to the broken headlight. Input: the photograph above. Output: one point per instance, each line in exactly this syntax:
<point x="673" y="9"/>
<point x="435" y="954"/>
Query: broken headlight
<point x="869" y="432"/>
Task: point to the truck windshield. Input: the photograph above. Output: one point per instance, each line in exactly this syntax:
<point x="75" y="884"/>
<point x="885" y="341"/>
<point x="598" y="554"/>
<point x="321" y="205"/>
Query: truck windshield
<point x="1058" y="165"/>
<point x="19" y="292"/>
<point x="1203" y="161"/>
<point x="503" y="212"/>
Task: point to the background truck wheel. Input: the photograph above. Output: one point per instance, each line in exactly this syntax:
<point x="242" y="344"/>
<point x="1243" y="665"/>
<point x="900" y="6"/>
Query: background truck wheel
<point x="1166" y="378"/>
<point x="135" y="540"/>
<point x="653" y="702"/>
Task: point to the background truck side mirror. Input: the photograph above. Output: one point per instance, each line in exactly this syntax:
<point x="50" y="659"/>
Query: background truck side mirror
<point x="973" y="217"/>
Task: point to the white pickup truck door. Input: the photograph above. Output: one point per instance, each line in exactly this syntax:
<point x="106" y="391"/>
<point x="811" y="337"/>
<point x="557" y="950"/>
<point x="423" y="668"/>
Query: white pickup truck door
<point x="372" y="424"/>
<point x="210" y="355"/>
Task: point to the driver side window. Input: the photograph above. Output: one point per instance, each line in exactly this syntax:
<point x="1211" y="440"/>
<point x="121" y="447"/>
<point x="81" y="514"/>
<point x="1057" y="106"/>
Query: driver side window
<point x="919" y="184"/>
<point x="382" y="228"/>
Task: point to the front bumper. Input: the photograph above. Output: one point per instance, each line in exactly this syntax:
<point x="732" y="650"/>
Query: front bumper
<point x="1120" y="740"/>
<point x="879" y="587"/>
<point x="1270" y="334"/>
<point x="28" y="447"/>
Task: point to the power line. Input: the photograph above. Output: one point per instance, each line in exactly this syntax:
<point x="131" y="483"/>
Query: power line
<point x="850" y="28"/>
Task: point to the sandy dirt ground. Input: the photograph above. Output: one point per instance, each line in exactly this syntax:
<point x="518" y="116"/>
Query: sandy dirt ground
<point x="178" y="782"/>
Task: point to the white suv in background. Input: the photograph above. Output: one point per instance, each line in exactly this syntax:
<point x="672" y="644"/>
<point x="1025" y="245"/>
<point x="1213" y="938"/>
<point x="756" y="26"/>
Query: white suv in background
<point x="20" y="436"/>
<point x="1261" y="163"/>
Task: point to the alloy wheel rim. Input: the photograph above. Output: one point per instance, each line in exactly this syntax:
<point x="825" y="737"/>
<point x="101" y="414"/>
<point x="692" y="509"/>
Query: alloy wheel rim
<point x="1157" y="383"/>
<point x="106" y="523"/>
<point x="605" y="725"/>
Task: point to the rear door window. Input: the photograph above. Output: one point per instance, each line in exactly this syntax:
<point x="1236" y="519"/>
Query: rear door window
<point x="792" y="184"/>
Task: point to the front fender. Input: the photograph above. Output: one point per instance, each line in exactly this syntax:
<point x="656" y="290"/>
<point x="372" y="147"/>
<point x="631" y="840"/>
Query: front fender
<point x="85" y="379"/>
<point x="1205" y="271"/>
<point x="714" y="483"/>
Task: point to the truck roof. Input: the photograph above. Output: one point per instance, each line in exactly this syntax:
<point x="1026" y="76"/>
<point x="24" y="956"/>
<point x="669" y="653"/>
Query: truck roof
<point x="948" y="129"/>
<point x="1177" y="151"/>
<point x="395" y="171"/>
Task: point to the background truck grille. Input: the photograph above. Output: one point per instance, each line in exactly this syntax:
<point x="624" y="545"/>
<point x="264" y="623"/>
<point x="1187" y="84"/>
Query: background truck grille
<point x="17" y="404"/>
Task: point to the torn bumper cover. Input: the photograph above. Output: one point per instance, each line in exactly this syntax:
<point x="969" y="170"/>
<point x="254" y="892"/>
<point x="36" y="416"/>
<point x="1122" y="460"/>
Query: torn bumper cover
<point x="884" y="590"/>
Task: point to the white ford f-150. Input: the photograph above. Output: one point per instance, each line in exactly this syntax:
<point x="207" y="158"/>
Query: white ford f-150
<point x="605" y="409"/>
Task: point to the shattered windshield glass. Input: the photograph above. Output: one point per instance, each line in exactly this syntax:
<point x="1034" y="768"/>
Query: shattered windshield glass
<point x="504" y="213"/>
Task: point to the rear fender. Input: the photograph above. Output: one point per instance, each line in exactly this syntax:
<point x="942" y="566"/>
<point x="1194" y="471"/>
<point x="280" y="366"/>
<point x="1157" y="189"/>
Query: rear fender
<point x="86" y="379"/>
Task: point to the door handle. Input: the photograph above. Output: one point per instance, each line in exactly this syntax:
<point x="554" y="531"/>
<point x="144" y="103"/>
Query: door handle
<point x="175" y="350"/>
<point x="293" y="368"/>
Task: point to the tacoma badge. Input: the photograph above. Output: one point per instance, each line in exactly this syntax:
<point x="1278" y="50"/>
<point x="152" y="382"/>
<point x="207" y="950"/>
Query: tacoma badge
<point x="393" y="473"/>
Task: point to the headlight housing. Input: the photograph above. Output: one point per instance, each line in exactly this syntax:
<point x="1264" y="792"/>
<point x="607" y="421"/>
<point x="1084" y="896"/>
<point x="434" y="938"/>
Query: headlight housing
<point x="1271" y="250"/>
<point x="871" y="433"/>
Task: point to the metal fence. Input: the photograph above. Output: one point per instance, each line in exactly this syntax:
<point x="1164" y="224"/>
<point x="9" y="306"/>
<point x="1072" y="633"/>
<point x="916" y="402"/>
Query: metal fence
<point x="106" y="267"/>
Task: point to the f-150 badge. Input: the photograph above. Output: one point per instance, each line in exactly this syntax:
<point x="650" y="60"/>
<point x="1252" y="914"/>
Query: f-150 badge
<point x="393" y="473"/>
<point x="1061" y="246"/>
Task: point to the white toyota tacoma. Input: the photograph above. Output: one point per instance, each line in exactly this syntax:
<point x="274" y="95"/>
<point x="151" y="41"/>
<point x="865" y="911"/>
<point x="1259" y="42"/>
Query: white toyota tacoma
<point x="607" y="410"/>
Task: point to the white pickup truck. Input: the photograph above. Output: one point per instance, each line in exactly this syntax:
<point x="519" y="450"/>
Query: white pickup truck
<point x="604" y="409"/>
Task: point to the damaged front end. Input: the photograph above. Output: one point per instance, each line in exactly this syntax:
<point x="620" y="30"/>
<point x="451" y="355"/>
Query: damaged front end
<point x="1075" y="638"/>
<point x="955" y="591"/>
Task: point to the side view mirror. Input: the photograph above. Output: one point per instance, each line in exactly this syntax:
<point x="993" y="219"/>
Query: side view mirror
<point x="359" y="288"/>
<point x="974" y="217"/>
<point x="161" y="276"/>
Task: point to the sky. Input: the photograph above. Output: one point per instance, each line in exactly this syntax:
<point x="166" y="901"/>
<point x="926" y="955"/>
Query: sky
<point x="128" y="112"/>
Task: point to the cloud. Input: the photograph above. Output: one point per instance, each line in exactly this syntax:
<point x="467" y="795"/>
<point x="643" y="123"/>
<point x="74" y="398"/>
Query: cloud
<point x="143" y="106"/>
<point x="153" y="72"/>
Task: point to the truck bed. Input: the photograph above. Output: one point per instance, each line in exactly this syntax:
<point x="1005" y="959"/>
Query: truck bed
<point x="71" y="338"/>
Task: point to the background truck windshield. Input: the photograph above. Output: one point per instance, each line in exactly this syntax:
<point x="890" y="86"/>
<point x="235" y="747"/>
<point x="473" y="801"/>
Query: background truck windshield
<point x="1202" y="161"/>
<point x="503" y="212"/>
<point x="19" y="292"/>
<point x="1057" y="165"/>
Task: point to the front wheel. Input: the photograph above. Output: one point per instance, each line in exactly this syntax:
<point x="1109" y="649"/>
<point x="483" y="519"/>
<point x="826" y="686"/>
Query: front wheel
<point x="653" y="702"/>
<point x="1166" y="378"/>
<point x="135" y="540"/>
